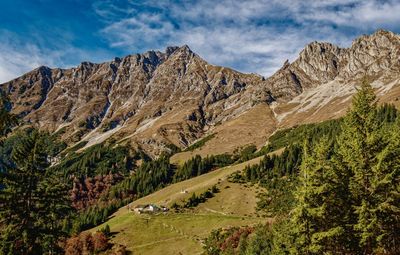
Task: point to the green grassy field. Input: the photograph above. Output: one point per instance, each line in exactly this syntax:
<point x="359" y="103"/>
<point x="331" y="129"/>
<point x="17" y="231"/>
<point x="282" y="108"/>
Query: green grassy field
<point x="171" y="233"/>
<point x="183" y="233"/>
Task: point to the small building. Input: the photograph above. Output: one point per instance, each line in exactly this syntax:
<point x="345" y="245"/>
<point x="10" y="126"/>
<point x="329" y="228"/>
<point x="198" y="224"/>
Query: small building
<point x="139" y="209"/>
<point x="149" y="208"/>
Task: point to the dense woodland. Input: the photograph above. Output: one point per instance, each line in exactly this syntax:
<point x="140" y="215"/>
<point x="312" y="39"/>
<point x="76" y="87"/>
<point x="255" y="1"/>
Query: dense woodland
<point x="333" y="190"/>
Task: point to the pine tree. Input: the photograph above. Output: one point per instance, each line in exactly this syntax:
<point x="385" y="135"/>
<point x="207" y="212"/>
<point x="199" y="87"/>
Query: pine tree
<point x="386" y="194"/>
<point x="331" y="210"/>
<point x="32" y="202"/>
<point x="348" y="201"/>
<point x="318" y="216"/>
<point x="358" y="146"/>
<point x="302" y="220"/>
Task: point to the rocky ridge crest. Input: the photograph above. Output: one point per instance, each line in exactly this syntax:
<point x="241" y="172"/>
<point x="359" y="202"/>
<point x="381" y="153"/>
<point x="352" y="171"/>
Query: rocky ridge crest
<point x="157" y="98"/>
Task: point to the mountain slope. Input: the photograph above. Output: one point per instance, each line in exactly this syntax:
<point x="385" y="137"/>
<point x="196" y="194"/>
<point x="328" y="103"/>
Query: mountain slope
<point x="175" y="97"/>
<point x="375" y="57"/>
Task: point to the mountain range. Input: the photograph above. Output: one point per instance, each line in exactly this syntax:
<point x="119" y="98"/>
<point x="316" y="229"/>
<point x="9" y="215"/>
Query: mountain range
<point x="157" y="99"/>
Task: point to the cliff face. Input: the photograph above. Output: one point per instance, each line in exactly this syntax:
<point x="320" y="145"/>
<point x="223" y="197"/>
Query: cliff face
<point x="157" y="98"/>
<point x="328" y="76"/>
<point x="318" y="63"/>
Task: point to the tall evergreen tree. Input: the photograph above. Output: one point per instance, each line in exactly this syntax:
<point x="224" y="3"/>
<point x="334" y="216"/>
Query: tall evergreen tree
<point x="302" y="220"/>
<point x="386" y="194"/>
<point x="348" y="202"/>
<point x="32" y="202"/>
<point x="359" y="145"/>
<point x="319" y="217"/>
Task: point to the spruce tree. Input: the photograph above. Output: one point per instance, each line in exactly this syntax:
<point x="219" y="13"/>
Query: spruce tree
<point x="348" y="199"/>
<point x="386" y="194"/>
<point x="348" y="202"/>
<point x="360" y="142"/>
<point x="33" y="200"/>
<point x="319" y="217"/>
<point x="302" y="220"/>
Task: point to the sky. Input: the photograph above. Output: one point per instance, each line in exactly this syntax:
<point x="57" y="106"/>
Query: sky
<point x="252" y="36"/>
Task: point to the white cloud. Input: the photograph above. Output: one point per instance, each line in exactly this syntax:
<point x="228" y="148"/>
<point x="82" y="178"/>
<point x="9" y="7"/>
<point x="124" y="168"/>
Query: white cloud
<point x="16" y="59"/>
<point x="362" y="15"/>
<point x="143" y="29"/>
<point x="251" y="36"/>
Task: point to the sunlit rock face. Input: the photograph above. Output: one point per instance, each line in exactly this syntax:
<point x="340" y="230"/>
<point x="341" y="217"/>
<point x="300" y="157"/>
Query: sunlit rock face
<point x="175" y="97"/>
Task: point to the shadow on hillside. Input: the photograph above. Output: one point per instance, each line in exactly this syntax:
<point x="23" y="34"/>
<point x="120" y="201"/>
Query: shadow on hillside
<point x="114" y="233"/>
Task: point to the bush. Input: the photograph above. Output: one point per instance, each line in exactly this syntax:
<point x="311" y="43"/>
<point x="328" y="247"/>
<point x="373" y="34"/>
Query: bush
<point x="106" y="230"/>
<point x="87" y="243"/>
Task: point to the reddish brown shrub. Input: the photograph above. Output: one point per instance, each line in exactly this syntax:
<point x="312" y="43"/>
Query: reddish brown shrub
<point x="86" y="243"/>
<point x="73" y="246"/>
<point x="232" y="242"/>
<point x="100" y="242"/>
<point x="86" y="192"/>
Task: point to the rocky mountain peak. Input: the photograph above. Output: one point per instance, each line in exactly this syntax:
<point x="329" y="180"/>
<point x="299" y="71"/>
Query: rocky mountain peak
<point x="316" y="49"/>
<point x="381" y="38"/>
<point x="175" y="96"/>
<point x="319" y="61"/>
<point x="43" y="69"/>
<point x="184" y="49"/>
<point x="371" y="55"/>
<point x="182" y="53"/>
<point x="285" y="65"/>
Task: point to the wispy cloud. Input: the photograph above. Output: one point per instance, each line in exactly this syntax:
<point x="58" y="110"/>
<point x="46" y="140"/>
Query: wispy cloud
<point x="17" y="57"/>
<point x="252" y="36"/>
<point x="20" y="55"/>
<point x="361" y="15"/>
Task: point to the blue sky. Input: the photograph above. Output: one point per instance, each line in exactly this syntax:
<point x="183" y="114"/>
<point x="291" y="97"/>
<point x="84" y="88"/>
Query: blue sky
<point x="250" y="36"/>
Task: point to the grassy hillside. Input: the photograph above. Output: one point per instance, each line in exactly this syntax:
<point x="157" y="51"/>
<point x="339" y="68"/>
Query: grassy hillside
<point x="182" y="233"/>
<point x="172" y="193"/>
<point x="252" y="127"/>
<point x="170" y="234"/>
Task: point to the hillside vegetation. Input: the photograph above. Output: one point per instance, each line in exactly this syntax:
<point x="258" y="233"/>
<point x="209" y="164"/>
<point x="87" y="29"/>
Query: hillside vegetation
<point x="340" y="195"/>
<point x="187" y="229"/>
<point x="309" y="190"/>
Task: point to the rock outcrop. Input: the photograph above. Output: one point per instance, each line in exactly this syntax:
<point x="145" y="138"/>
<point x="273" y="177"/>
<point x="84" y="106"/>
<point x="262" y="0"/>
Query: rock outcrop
<point x="157" y="98"/>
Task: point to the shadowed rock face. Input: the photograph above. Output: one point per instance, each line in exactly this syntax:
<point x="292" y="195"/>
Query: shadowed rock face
<point x="157" y="98"/>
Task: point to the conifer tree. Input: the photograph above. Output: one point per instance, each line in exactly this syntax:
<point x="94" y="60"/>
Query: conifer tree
<point x="321" y="209"/>
<point x="348" y="202"/>
<point x="360" y="142"/>
<point x="302" y="220"/>
<point x="386" y="194"/>
<point x="33" y="201"/>
<point x="348" y="199"/>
